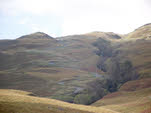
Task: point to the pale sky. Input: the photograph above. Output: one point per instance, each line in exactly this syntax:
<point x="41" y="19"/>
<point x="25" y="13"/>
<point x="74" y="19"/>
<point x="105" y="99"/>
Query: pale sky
<point x="68" y="17"/>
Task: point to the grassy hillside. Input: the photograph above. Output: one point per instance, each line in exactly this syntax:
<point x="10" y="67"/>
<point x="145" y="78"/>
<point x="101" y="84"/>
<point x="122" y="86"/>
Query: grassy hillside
<point x="142" y="32"/>
<point x="132" y="97"/>
<point x="60" y="69"/>
<point x="15" y="101"/>
<point x="80" y="69"/>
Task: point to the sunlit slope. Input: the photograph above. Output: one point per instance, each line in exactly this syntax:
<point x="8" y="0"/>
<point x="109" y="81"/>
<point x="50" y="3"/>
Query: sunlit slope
<point x="142" y="32"/>
<point x="105" y="35"/>
<point x="133" y="96"/>
<point x="20" y="102"/>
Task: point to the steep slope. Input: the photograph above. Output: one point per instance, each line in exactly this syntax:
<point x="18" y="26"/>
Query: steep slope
<point x="142" y="32"/>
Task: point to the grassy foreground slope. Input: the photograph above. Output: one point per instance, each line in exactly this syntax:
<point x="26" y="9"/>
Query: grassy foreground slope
<point x="15" y="101"/>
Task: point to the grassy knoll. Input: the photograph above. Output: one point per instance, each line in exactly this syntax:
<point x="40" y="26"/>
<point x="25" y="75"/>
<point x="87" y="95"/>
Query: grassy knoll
<point x="13" y="101"/>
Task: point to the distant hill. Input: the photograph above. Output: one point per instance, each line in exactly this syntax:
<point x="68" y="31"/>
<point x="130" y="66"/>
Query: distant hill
<point x="37" y="35"/>
<point x="109" y="35"/>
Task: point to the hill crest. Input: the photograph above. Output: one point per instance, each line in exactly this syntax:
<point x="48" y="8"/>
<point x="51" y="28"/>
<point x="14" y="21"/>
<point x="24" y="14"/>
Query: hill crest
<point x="141" y="32"/>
<point x="36" y="35"/>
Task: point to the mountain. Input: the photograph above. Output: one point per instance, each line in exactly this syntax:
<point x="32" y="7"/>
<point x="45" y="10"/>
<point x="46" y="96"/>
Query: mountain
<point x="142" y="32"/>
<point x="100" y="69"/>
<point x="52" y="67"/>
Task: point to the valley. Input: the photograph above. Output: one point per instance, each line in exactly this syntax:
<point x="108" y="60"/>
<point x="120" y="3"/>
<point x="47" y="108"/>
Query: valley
<point x="103" y="71"/>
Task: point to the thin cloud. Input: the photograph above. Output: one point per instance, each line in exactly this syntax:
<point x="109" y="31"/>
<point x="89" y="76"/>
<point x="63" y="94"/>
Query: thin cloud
<point x="81" y="16"/>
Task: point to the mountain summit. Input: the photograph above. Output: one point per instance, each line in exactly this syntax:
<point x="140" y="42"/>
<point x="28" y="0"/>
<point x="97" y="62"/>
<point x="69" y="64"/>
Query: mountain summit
<point x="37" y="35"/>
